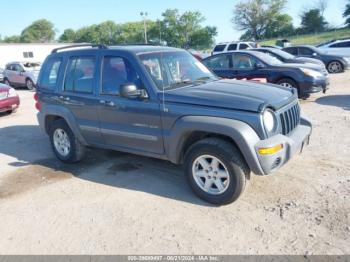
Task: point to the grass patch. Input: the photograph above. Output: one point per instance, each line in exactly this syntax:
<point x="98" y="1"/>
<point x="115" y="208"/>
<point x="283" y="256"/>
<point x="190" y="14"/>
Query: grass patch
<point x="313" y="39"/>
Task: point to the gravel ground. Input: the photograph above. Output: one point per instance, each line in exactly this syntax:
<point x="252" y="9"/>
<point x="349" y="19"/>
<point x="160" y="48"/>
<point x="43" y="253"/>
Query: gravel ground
<point x="115" y="203"/>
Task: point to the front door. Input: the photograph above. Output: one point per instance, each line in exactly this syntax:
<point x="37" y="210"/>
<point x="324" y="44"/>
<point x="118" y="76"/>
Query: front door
<point x="247" y="67"/>
<point x="133" y="124"/>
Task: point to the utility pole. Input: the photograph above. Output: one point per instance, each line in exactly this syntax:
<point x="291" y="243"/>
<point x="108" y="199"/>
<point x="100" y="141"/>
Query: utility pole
<point x="144" y="17"/>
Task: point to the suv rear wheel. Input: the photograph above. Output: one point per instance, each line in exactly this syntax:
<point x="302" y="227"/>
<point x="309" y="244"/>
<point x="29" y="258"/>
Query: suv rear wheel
<point x="7" y="82"/>
<point x="65" y="145"/>
<point x="216" y="171"/>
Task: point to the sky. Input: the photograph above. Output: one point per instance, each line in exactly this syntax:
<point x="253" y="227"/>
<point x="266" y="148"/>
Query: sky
<point x="78" y="13"/>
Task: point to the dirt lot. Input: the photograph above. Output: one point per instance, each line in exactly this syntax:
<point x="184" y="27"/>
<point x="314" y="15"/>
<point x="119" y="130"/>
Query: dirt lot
<point x="118" y="203"/>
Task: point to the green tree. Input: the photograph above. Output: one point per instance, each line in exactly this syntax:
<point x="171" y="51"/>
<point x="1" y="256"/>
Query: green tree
<point x="68" y="36"/>
<point x="312" y="21"/>
<point x="186" y="30"/>
<point x="282" y="25"/>
<point x="346" y="14"/>
<point x="12" y="39"/>
<point x="255" y="16"/>
<point x="41" y="31"/>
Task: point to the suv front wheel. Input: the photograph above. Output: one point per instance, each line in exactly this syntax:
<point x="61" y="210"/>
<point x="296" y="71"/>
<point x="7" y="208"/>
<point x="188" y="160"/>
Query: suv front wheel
<point x="30" y="84"/>
<point x="216" y="171"/>
<point x="65" y="145"/>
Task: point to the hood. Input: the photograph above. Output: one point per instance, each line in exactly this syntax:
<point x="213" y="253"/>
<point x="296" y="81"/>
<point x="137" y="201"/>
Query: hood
<point x="4" y="88"/>
<point x="232" y="94"/>
<point x="316" y="67"/>
<point x="308" y="60"/>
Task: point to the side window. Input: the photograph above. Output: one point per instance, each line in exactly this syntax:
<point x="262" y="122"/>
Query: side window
<point x="17" y="68"/>
<point x="117" y="71"/>
<point x="293" y="51"/>
<point x="305" y="51"/>
<point x="219" y="48"/>
<point x="50" y="73"/>
<point x="218" y="62"/>
<point x="9" y="67"/>
<point x="340" y="45"/>
<point x="243" y="46"/>
<point x="232" y="47"/>
<point x="241" y="61"/>
<point x="80" y="75"/>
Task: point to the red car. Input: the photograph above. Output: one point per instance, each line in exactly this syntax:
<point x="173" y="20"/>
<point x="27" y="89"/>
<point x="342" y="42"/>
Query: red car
<point x="9" y="100"/>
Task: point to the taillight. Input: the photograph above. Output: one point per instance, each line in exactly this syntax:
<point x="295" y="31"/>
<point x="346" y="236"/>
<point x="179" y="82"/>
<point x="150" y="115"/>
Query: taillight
<point x="37" y="102"/>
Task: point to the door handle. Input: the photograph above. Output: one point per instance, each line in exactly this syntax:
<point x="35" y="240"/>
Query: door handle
<point x="64" y="98"/>
<point x="107" y="103"/>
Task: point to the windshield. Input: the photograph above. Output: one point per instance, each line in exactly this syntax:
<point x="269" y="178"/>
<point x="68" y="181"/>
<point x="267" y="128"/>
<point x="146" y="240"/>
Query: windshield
<point x="175" y="69"/>
<point x="268" y="59"/>
<point x="283" y="54"/>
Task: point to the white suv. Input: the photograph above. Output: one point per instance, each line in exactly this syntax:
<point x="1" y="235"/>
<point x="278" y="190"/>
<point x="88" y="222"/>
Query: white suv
<point x="337" y="47"/>
<point x="232" y="46"/>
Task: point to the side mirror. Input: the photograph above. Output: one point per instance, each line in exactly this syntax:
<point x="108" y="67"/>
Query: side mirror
<point x="130" y="90"/>
<point x="259" y="66"/>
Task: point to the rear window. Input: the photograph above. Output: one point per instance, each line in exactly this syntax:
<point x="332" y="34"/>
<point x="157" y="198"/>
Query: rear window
<point x="50" y="73"/>
<point x="219" y="48"/>
<point x="80" y="75"/>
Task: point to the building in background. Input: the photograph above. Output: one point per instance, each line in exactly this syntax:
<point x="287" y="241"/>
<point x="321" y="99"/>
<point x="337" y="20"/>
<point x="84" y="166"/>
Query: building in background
<point x="26" y="52"/>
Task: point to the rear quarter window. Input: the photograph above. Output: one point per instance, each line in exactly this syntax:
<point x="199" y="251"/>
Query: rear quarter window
<point x="219" y="48"/>
<point x="50" y="73"/>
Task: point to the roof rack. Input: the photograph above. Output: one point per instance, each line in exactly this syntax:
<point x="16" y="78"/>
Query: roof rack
<point x="99" y="46"/>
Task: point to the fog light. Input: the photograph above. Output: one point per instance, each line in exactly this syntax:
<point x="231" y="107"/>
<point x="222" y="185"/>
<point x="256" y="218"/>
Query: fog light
<point x="270" y="150"/>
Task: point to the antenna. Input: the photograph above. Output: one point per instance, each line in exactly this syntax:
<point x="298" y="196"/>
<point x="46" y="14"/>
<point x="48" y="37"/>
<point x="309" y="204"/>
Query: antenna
<point x="163" y="93"/>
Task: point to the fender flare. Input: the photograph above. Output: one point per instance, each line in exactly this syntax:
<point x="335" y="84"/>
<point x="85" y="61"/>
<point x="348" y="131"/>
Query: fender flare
<point x="241" y="133"/>
<point x="54" y="110"/>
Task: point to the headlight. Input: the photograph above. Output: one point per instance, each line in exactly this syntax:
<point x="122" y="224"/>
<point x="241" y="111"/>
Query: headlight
<point x="12" y="92"/>
<point x="310" y="72"/>
<point x="269" y="120"/>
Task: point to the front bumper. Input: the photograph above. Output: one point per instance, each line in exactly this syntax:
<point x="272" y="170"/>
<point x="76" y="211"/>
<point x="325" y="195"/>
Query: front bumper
<point x="292" y="144"/>
<point x="9" y="104"/>
<point x="314" y="85"/>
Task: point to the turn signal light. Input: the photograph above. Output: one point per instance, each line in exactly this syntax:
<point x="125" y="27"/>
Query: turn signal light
<point x="270" y="150"/>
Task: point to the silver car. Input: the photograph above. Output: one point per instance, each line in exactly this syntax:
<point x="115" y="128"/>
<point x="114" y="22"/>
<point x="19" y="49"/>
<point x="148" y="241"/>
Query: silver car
<point x="1" y="75"/>
<point x="21" y="74"/>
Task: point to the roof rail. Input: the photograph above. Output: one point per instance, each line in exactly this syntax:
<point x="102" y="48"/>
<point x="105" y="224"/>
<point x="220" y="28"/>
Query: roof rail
<point x="99" y="46"/>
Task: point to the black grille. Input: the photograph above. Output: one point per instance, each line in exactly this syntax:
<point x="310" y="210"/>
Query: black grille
<point x="290" y="118"/>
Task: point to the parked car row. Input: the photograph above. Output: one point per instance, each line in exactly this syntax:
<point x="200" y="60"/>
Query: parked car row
<point x="265" y="64"/>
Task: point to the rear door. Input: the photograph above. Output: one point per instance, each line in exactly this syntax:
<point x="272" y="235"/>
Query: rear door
<point x="78" y="94"/>
<point x="131" y="124"/>
<point x="221" y="65"/>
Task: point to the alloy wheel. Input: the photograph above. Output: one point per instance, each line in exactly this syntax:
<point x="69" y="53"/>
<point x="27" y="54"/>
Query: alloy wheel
<point x="210" y="174"/>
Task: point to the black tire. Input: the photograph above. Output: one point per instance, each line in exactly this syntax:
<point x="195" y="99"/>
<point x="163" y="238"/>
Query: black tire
<point x="230" y="156"/>
<point x="7" y="82"/>
<point x="77" y="150"/>
<point x="335" y="67"/>
<point x="30" y="84"/>
<point x="287" y="82"/>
